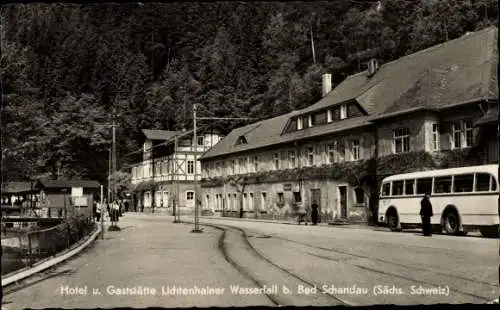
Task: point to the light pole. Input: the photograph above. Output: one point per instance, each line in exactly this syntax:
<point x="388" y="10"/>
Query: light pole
<point x="195" y="143"/>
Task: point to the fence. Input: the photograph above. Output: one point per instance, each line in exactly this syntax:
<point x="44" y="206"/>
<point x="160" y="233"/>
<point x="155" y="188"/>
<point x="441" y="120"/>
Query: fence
<point x="33" y="246"/>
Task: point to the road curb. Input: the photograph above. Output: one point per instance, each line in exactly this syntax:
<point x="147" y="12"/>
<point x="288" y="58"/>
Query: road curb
<point x="43" y="265"/>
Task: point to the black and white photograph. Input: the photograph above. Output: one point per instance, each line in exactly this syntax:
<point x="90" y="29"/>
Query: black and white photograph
<point x="222" y="154"/>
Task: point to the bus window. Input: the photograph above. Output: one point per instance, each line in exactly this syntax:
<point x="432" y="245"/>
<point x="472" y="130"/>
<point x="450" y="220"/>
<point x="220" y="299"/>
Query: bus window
<point x="386" y="189"/>
<point x="463" y="183"/>
<point x="442" y="185"/>
<point x="482" y="182"/>
<point x="424" y="186"/>
<point x="409" y="187"/>
<point x="397" y="188"/>
<point x="493" y="183"/>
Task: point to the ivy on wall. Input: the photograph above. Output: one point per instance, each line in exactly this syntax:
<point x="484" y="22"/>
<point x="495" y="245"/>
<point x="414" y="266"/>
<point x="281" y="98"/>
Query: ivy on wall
<point x="145" y="186"/>
<point x="365" y="173"/>
<point x="356" y="173"/>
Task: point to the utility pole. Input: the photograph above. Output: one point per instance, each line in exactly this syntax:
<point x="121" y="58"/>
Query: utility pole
<point x="195" y="146"/>
<point x="113" y="195"/>
<point x="177" y="212"/>
<point x="102" y="212"/>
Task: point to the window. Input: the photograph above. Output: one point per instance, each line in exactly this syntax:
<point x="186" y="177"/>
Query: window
<point x="386" y="189"/>
<point x="462" y="134"/>
<point x="256" y="163"/>
<point x="276" y="161"/>
<point x="409" y="187"/>
<point x="189" y="195"/>
<point x="241" y="140"/>
<point x="468" y="133"/>
<point x="201" y="141"/>
<point x="281" y="198"/>
<point x="263" y="201"/>
<point x="397" y="188"/>
<point x="310" y="156"/>
<point x="297" y="197"/>
<point x="329" y="116"/>
<point x="291" y="159"/>
<point x="343" y="111"/>
<point x="359" y="195"/>
<point x="190" y="167"/>
<point x="232" y="166"/>
<point x="355" y="149"/>
<point x="245" y="203"/>
<point x="341" y="149"/>
<point x="310" y="121"/>
<point x="483" y="182"/>
<point x="299" y="123"/>
<point x="442" y="185"/>
<point x="435" y="137"/>
<point x="424" y="186"/>
<point x="241" y="165"/>
<point x="463" y="183"/>
<point x="401" y="140"/>
<point x="331" y="153"/>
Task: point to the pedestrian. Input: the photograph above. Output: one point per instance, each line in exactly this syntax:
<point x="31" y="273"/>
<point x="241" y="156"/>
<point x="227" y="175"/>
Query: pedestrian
<point x="302" y="214"/>
<point x="314" y="213"/>
<point x="98" y="211"/>
<point x="426" y="214"/>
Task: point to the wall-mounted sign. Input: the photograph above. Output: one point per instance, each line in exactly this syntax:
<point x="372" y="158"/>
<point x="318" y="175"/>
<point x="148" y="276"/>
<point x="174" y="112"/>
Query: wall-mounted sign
<point x="287" y="187"/>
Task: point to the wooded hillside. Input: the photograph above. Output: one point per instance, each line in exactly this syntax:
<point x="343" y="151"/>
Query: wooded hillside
<point x="65" y="66"/>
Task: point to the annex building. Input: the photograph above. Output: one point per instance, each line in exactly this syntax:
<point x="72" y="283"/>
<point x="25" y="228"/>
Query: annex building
<point x="432" y="109"/>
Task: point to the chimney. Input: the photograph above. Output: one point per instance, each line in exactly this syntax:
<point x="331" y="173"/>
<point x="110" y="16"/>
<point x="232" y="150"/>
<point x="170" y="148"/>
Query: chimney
<point x="327" y="83"/>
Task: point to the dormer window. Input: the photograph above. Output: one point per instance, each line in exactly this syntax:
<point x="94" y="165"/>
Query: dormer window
<point x="299" y="123"/>
<point x="329" y="116"/>
<point x="343" y="111"/>
<point x="241" y="140"/>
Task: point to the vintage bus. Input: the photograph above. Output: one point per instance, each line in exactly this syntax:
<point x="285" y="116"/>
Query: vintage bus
<point x="463" y="199"/>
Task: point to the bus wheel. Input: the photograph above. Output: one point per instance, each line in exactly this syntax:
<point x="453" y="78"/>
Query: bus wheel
<point x="451" y="223"/>
<point x="392" y="221"/>
<point x="489" y="232"/>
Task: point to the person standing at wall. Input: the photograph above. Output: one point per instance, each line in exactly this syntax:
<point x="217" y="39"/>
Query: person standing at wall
<point x="426" y="214"/>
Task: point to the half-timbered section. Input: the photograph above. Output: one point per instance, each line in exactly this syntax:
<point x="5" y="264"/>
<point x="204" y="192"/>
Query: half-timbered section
<point x="169" y="168"/>
<point x="427" y="110"/>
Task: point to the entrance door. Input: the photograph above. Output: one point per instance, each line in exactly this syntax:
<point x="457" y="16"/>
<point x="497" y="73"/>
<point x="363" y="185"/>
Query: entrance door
<point x="342" y="194"/>
<point x="190" y="199"/>
<point x="316" y="197"/>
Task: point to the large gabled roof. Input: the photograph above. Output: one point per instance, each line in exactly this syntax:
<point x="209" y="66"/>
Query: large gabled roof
<point x="452" y="73"/>
<point x="154" y="134"/>
<point x="455" y="71"/>
<point x="68" y="183"/>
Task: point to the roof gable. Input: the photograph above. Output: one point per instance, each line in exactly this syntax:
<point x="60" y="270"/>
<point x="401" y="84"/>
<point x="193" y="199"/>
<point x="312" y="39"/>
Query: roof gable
<point x="154" y="134"/>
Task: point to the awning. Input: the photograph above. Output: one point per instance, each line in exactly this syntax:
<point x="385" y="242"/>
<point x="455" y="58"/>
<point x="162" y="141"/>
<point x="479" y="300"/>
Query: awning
<point x="491" y="117"/>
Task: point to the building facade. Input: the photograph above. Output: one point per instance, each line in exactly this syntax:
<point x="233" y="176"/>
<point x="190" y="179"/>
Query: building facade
<point x="428" y="110"/>
<point x="169" y="168"/>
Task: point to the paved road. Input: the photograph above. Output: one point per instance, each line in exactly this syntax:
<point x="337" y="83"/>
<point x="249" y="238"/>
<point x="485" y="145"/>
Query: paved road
<point x="358" y="266"/>
<point x="391" y="266"/>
